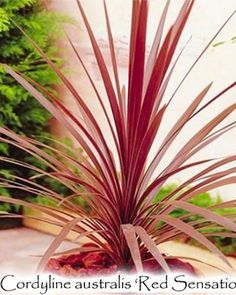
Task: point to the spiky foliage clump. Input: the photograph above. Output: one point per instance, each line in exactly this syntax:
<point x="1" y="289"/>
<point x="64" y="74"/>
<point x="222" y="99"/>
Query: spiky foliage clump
<point x="124" y="217"/>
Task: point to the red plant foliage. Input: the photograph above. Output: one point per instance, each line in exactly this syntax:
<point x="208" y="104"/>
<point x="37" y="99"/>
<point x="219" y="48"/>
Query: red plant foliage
<point x="126" y="225"/>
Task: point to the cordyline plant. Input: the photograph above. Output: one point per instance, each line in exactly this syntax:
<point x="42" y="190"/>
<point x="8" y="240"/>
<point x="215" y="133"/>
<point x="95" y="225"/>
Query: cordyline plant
<point x="125" y="225"/>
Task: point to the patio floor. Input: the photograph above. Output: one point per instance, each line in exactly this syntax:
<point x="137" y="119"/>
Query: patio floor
<point x="21" y="248"/>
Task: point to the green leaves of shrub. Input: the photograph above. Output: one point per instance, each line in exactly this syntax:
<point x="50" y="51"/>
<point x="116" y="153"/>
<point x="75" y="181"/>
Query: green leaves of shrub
<point x="18" y="110"/>
<point x="4" y="20"/>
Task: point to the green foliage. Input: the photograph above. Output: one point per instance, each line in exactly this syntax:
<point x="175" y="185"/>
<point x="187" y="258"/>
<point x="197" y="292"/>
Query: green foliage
<point x="18" y="110"/>
<point x="203" y="200"/>
<point x="230" y="41"/>
<point x="5" y="21"/>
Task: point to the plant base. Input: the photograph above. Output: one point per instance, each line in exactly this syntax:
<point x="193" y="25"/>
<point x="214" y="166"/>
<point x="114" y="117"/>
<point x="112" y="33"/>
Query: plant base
<point x="100" y="263"/>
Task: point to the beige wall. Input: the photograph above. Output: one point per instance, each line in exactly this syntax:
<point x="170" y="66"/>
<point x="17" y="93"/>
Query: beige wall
<point x="218" y="64"/>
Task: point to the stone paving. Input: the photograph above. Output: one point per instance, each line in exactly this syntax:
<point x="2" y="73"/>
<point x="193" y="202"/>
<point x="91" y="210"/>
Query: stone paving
<point x="20" y="250"/>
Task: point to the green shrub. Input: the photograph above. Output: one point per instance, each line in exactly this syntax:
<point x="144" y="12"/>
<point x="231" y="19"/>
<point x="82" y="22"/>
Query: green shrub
<point x="203" y="200"/>
<point x="18" y="110"/>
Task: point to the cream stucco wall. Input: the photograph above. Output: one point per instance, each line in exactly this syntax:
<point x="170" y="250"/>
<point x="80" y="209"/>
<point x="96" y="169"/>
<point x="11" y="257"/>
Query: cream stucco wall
<point x="218" y="64"/>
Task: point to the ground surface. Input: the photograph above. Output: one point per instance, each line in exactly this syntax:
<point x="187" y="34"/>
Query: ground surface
<point x="20" y="250"/>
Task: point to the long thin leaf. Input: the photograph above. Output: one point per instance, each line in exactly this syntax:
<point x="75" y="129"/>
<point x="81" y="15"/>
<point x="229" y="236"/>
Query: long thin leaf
<point x="130" y="236"/>
<point x="184" y="227"/>
<point x="56" y="243"/>
<point x="152" y="247"/>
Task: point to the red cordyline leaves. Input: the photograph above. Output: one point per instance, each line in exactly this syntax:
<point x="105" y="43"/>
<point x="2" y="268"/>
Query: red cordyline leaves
<point x="123" y="222"/>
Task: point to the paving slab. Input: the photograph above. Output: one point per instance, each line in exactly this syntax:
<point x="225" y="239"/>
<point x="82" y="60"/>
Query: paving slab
<point x="21" y="248"/>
